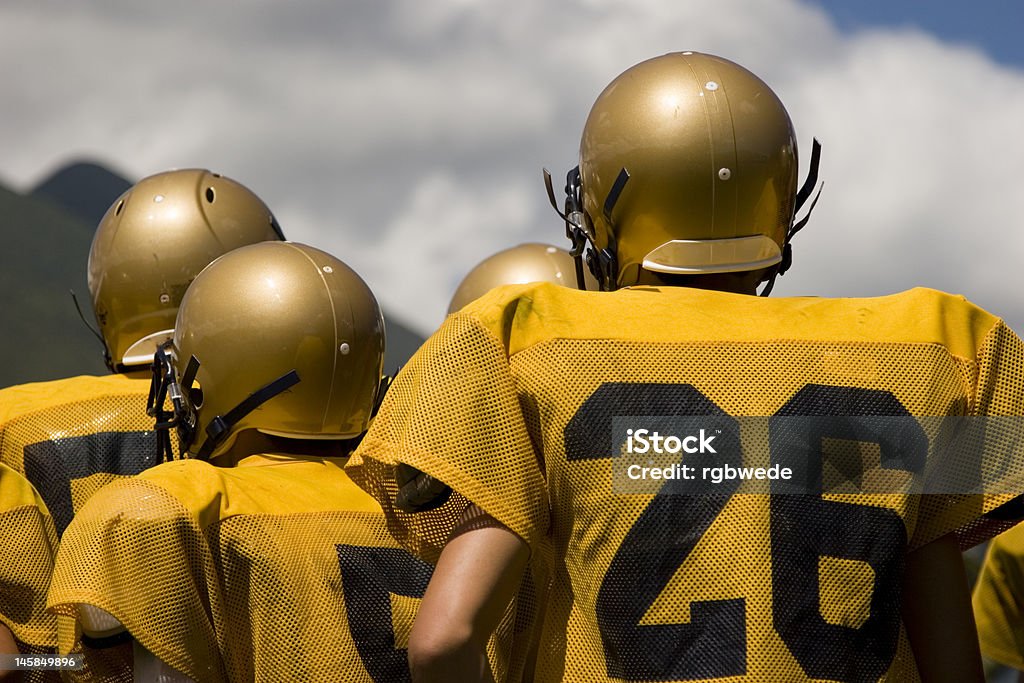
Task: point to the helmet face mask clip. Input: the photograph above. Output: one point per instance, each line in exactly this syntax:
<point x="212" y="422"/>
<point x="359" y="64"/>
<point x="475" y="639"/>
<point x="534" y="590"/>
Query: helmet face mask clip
<point x="577" y="230"/>
<point x="165" y="386"/>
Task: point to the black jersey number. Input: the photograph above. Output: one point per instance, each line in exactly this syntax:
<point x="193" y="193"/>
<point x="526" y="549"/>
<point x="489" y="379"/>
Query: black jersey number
<point x="803" y="528"/>
<point x="369" y="576"/>
<point x="806" y="527"/>
<point x="52" y="465"/>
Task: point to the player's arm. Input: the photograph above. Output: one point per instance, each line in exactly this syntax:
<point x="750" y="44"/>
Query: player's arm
<point x="476" y="576"/>
<point x="8" y="646"/>
<point x="103" y="627"/>
<point x="938" y="616"/>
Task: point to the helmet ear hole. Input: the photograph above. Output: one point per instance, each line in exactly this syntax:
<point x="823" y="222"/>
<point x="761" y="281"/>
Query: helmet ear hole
<point x="210" y="195"/>
<point x="195" y="396"/>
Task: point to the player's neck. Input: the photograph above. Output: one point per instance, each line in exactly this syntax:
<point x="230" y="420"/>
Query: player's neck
<point x="252" y="442"/>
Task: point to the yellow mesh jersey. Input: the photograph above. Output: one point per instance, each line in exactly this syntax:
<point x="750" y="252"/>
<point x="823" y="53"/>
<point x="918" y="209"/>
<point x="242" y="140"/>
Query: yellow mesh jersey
<point x="999" y="599"/>
<point x="26" y="531"/>
<point x="511" y="401"/>
<point x="280" y="569"/>
<point x="71" y="436"/>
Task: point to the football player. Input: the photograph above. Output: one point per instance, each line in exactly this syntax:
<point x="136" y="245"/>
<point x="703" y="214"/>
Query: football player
<point x="71" y="436"/>
<point x="255" y="557"/>
<point x="522" y="403"/>
<point x="999" y="600"/>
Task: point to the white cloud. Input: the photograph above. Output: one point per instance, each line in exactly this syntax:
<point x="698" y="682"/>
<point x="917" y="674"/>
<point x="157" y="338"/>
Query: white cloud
<point x="407" y="137"/>
<point x="920" y="160"/>
<point x="442" y="231"/>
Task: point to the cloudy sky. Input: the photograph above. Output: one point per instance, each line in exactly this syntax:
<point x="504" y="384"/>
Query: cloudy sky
<point x="407" y="136"/>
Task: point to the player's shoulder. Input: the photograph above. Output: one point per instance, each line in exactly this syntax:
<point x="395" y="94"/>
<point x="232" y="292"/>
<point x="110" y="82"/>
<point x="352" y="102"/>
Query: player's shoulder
<point x="508" y="311"/>
<point x="184" y="490"/>
<point x="935" y="302"/>
<point x="260" y="484"/>
<point x="16" y="491"/>
<point x="137" y="498"/>
<point x="918" y="316"/>
<point x="929" y="315"/>
<point x="23" y="399"/>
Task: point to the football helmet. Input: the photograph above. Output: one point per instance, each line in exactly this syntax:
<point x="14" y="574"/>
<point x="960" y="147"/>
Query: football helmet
<point x="688" y="165"/>
<point x="151" y="243"/>
<point x="531" y="262"/>
<point x="278" y="337"/>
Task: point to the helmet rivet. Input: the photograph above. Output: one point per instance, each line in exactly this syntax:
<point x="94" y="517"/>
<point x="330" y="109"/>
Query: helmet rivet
<point x="165" y="298"/>
<point x="711" y="85"/>
<point x="344" y="348"/>
<point x="724" y="174"/>
<point x="159" y="198"/>
<point x="328" y="269"/>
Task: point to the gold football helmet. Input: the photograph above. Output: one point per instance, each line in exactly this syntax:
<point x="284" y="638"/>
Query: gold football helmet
<point x="688" y="165"/>
<point x="278" y="337"/>
<point x="153" y="241"/>
<point x="531" y="262"/>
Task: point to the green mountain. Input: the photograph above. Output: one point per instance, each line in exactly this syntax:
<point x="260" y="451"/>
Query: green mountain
<point x="48" y="233"/>
<point x="44" y="258"/>
<point x="83" y="189"/>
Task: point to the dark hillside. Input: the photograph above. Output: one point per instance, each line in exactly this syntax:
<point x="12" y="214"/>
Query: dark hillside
<point x="45" y="253"/>
<point x="83" y="189"/>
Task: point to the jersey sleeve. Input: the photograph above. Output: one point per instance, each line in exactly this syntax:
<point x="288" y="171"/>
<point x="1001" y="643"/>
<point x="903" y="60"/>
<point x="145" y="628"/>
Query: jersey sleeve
<point x="136" y="552"/>
<point x="29" y="540"/>
<point x="454" y="413"/>
<point x="986" y="472"/>
<point x="999" y="600"/>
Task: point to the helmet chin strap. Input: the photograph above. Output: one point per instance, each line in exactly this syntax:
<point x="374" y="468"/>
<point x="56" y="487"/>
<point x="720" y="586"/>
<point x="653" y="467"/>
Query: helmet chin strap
<point x="164" y="385"/>
<point x="604" y="267"/>
<point x="220" y="426"/>
<point x="801" y="198"/>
